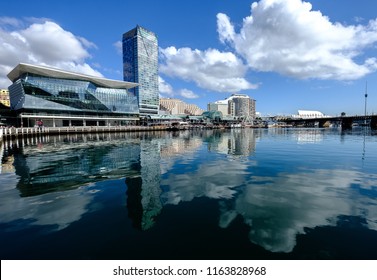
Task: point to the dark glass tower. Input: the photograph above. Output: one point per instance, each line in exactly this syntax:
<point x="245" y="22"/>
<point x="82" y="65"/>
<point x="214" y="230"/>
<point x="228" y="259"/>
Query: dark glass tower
<point x="140" y="65"/>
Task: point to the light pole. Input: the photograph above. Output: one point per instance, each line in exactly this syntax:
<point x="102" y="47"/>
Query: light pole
<point x="365" y="108"/>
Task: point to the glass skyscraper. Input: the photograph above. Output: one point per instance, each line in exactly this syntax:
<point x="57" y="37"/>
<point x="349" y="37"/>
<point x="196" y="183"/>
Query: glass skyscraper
<point x="140" y="65"/>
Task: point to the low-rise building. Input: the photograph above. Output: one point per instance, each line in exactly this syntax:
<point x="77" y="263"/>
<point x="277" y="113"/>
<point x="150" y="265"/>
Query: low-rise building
<point x="56" y="97"/>
<point x="237" y="105"/>
<point x="4" y="97"/>
<point x="174" y="106"/>
<point x="221" y="106"/>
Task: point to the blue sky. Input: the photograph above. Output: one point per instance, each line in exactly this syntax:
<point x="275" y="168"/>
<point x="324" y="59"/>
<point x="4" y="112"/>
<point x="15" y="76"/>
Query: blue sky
<point x="286" y="54"/>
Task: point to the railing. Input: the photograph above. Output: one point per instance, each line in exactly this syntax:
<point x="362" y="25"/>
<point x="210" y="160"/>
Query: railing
<point x="28" y="131"/>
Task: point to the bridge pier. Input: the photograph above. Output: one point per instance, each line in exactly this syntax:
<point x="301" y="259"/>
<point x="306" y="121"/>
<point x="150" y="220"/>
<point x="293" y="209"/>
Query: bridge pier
<point x="347" y="123"/>
<point x="373" y="122"/>
<point x="323" y="123"/>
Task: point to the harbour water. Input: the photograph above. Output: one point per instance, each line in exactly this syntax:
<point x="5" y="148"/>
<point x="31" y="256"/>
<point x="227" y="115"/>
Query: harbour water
<point x="205" y="194"/>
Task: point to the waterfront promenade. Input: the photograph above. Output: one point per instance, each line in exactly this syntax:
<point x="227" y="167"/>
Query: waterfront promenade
<point x="13" y="132"/>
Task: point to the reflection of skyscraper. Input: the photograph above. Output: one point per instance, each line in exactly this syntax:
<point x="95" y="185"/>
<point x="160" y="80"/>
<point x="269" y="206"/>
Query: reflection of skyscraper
<point x="143" y="193"/>
<point x="134" y="206"/>
<point x="140" y="65"/>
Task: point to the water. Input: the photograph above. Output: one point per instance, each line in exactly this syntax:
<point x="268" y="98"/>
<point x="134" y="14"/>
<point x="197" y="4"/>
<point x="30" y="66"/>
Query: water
<point x="232" y="194"/>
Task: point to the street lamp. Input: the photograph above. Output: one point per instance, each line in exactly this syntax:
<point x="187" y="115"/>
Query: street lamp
<point x="365" y="108"/>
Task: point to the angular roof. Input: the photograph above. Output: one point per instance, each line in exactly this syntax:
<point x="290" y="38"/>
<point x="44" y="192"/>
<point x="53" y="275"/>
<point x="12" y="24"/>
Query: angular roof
<point x="24" y="68"/>
<point x="137" y="31"/>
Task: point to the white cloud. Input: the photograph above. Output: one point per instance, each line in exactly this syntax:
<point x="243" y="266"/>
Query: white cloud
<point x="164" y="87"/>
<point x="118" y="47"/>
<point x="9" y="21"/>
<point x="210" y="69"/>
<point x="290" y="38"/>
<point x="188" y="94"/>
<point x="166" y="90"/>
<point x="225" y="28"/>
<point x="87" y="44"/>
<point x="43" y="44"/>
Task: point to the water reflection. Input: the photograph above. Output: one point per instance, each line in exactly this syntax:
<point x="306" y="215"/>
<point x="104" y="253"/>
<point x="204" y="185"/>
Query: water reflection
<point x="278" y="186"/>
<point x="144" y="190"/>
<point x="71" y="162"/>
<point x="278" y="208"/>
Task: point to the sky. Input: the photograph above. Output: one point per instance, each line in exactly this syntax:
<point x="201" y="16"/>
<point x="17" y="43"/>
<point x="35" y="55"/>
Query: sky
<point x="288" y="55"/>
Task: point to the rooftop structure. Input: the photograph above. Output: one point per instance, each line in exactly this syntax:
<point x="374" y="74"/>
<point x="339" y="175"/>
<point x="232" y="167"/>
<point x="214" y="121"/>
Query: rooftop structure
<point x="24" y="68"/>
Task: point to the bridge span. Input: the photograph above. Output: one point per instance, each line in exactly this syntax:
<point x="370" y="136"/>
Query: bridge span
<point x="345" y="121"/>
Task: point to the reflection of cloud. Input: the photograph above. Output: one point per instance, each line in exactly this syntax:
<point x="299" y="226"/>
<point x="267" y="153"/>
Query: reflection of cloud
<point x="278" y="208"/>
<point x="47" y="209"/>
<point x="208" y="180"/>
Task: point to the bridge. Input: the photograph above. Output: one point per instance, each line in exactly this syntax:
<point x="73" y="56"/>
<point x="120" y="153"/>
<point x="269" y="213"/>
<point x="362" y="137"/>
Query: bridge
<point x="345" y="121"/>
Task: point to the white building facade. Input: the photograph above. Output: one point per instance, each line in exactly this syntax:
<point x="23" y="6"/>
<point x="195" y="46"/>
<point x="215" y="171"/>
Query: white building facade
<point x="308" y="114"/>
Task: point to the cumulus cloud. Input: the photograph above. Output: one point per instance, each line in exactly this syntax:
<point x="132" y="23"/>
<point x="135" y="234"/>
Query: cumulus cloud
<point x="166" y="90"/>
<point x="9" y="21"/>
<point x="186" y="93"/>
<point x="210" y="69"/>
<point x="118" y="47"/>
<point x="164" y="87"/>
<point x="290" y="38"/>
<point x="42" y="43"/>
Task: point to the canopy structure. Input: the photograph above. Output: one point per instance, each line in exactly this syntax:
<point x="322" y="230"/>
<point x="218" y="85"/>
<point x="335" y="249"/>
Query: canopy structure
<point x="24" y="68"/>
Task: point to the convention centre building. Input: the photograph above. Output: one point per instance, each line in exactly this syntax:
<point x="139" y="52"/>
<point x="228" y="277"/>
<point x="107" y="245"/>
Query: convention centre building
<point x="58" y="98"/>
